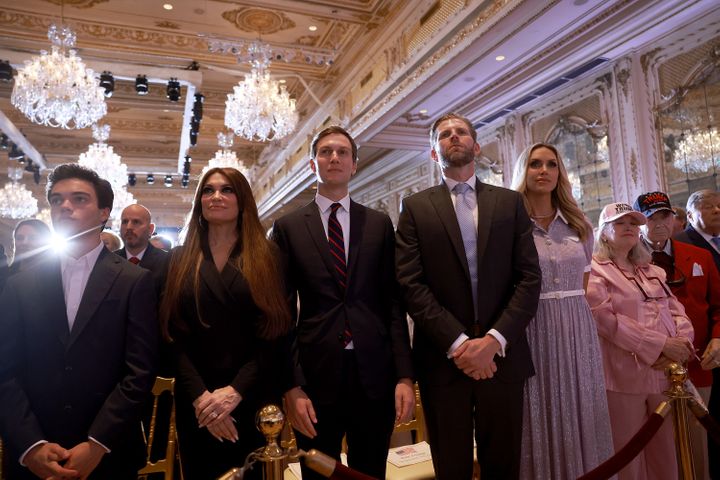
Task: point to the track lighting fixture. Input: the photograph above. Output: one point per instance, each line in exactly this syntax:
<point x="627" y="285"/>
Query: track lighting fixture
<point x="173" y="90"/>
<point x="107" y="81"/>
<point x="168" y="181"/>
<point x="132" y="179"/>
<point x="141" y="85"/>
<point x="150" y="179"/>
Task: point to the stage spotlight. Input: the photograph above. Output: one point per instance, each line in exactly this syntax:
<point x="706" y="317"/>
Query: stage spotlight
<point x="173" y="90"/>
<point x="150" y="179"/>
<point x="132" y="179"/>
<point x="168" y="181"/>
<point x="141" y="85"/>
<point x="185" y="181"/>
<point x="186" y="165"/>
<point x="198" y="106"/>
<point x="16" y="154"/>
<point x="108" y="83"/>
<point x="193" y="137"/>
<point x="6" y="71"/>
<point x="29" y="167"/>
<point x="4" y="142"/>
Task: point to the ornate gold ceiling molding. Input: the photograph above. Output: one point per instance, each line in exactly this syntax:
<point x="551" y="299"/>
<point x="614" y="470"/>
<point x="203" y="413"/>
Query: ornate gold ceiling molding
<point x="167" y="24"/>
<point x="258" y="20"/>
<point x="77" y="3"/>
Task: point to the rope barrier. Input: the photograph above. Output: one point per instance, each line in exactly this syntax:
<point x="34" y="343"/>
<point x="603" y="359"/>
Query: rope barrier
<point x="636" y="444"/>
<point x="331" y="468"/>
<point x="705" y="419"/>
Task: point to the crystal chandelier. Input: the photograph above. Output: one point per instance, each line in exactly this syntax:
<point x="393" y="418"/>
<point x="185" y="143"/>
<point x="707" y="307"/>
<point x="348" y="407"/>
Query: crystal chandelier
<point x="101" y="158"/>
<point x="16" y="201"/>
<point x="226" y="158"/>
<point x="56" y="89"/>
<point x="696" y="151"/>
<point x="260" y="108"/>
<point x="44" y="216"/>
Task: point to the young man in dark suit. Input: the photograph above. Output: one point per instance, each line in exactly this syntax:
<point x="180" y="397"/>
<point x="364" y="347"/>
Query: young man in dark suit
<point x="352" y="367"/>
<point x="78" y="346"/>
<point x="467" y="263"/>
<point x="703" y="230"/>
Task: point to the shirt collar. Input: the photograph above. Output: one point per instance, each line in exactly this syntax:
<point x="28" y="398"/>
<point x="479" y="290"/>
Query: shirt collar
<point x="139" y="255"/>
<point x="667" y="248"/>
<point x="89" y="259"/>
<point x="704" y="234"/>
<point x="325" y="203"/>
<point x="451" y="183"/>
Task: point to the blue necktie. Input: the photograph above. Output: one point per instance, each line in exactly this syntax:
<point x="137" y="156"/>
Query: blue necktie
<point x="465" y="201"/>
<point x="716" y="241"/>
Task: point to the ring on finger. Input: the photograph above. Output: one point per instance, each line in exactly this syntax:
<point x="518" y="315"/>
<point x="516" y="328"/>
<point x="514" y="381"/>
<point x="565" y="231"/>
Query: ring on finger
<point x="214" y="415"/>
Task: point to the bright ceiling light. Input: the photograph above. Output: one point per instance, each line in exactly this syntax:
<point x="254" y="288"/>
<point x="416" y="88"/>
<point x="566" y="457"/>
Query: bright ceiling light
<point x="500" y="58"/>
<point x="168" y="6"/>
<point x="423" y="111"/>
<point x="312" y="28"/>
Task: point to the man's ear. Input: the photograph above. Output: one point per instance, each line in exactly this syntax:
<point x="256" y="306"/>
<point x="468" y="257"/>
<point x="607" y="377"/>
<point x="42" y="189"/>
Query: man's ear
<point x="152" y="229"/>
<point x="313" y="167"/>
<point x="433" y="155"/>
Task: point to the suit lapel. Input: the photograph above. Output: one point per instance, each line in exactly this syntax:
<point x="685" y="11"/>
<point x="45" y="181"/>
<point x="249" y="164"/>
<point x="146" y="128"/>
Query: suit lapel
<point x="440" y="199"/>
<point x="486" y="208"/>
<point x="50" y="290"/>
<point x="102" y="277"/>
<point x="358" y="216"/>
<point x="314" y="224"/>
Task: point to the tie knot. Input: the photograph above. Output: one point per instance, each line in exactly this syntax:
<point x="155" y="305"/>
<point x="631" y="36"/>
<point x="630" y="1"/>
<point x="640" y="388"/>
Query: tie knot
<point x="334" y="207"/>
<point x="461" y="188"/>
<point x="134" y="260"/>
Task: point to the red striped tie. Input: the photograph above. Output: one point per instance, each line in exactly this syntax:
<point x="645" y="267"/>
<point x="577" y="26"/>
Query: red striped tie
<point x="337" y="249"/>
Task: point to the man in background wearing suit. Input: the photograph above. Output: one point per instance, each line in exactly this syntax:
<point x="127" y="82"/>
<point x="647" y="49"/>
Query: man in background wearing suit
<point x="136" y="229"/>
<point x="703" y="230"/>
<point x="78" y="346"/>
<point x="469" y="269"/>
<point x="352" y="366"/>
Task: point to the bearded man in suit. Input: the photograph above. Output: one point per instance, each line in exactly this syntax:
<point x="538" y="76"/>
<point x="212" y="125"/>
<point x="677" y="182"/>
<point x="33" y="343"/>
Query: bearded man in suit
<point x="467" y="263"/>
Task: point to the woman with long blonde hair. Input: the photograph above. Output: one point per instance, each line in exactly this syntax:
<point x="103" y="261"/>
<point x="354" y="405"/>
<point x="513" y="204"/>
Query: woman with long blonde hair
<point x="565" y="418"/>
<point x="224" y="308"/>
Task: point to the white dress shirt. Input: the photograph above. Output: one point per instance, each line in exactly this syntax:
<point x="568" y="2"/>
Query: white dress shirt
<point x="139" y="256"/>
<point x="453" y="197"/>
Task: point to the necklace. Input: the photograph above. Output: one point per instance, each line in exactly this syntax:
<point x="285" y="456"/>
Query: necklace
<point x="543" y="216"/>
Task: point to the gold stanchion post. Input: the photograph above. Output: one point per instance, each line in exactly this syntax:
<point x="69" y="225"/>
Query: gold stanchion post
<point x="270" y="421"/>
<point x="677" y="374"/>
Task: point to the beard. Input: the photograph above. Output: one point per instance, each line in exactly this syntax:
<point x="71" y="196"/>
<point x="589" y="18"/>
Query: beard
<point x="457" y="157"/>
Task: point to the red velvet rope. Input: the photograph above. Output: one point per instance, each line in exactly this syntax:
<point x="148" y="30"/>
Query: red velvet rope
<point x="625" y="455"/>
<point x="706" y="421"/>
<point x="344" y="473"/>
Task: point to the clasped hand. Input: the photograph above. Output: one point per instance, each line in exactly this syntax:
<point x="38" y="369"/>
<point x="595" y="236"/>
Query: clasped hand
<point x="79" y="462"/>
<point x="475" y="357"/>
<point x="213" y="409"/>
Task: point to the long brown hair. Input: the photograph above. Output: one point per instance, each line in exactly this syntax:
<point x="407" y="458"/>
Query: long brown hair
<point x="561" y="196"/>
<point x="258" y="260"/>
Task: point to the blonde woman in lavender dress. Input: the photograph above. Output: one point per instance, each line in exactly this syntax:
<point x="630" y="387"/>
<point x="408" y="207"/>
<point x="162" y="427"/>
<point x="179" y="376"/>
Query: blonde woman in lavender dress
<point x="566" y="428"/>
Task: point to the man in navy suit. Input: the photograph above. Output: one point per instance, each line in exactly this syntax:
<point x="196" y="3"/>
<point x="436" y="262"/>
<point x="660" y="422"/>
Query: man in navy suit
<point x="78" y="347"/>
<point x="703" y="230"/>
<point x="352" y="367"/>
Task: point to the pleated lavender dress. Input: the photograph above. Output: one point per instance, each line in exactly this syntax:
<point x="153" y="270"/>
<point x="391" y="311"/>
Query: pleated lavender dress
<point x="566" y="427"/>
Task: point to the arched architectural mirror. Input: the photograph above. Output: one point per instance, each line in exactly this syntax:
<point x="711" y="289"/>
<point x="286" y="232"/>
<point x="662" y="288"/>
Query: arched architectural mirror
<point x="690" y="124"/>
<point x="584" y="150"/>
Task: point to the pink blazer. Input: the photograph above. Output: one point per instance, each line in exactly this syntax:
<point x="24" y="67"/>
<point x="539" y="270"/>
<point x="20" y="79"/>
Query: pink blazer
<point x="633" y="329"/>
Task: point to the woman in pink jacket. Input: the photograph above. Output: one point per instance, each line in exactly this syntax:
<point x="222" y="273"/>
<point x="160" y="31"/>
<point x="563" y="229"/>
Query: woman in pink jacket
<point x="642" y="329"/>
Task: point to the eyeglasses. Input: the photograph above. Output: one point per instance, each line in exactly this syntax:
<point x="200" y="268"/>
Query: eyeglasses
<point x="645" y="295"/>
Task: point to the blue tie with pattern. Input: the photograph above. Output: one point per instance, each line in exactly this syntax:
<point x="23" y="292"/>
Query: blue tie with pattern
<point x="465" y="201"/>
<point x="336" y="241"/>
<point x="716" y="241"/>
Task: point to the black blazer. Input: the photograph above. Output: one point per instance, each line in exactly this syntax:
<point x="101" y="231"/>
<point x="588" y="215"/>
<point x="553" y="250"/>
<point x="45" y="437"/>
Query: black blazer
<point x="155" y="260"/>
<point x="63" y="386"/>
<point x="432" y="270"/>
<point x="691" y="236"/>
<point x="371" y="303"/>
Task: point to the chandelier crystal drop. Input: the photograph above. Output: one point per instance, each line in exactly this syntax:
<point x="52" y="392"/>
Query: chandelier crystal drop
<point x="101" y="158"/>
<point x="260" y="108"/>
<point x="56" y="89"/>
<point x="226" y="158"/>
<point x="16" y="201"/>
<point x="696" y="151"/>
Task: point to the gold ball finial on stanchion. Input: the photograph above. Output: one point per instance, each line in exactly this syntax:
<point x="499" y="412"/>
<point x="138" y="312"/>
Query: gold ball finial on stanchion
<point x="270" y="421"/>
<point x="677" y="374"/>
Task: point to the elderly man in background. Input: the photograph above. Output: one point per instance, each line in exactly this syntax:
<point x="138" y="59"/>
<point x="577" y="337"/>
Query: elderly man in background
<point x="703" y="230"/>
<point x="695" y="281"/>
<point x="111" y="240"/>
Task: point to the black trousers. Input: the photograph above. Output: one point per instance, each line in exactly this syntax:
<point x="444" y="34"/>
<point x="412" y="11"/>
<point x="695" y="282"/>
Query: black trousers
<point x="493" y="408"/>
<point x="367" y="423"/>
<point x="714" y="408"/>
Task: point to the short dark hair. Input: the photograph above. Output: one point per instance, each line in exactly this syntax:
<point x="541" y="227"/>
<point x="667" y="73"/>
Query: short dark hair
<point x="451" y="116"/>
<point x="329" y="131"/>
<point x="66" y="171"/>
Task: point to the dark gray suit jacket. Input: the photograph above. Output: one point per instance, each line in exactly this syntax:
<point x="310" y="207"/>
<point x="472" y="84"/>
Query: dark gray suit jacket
<point x="155" y="260"/>
<point x="432" y="270"/>
<point x="63" y="386"/>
